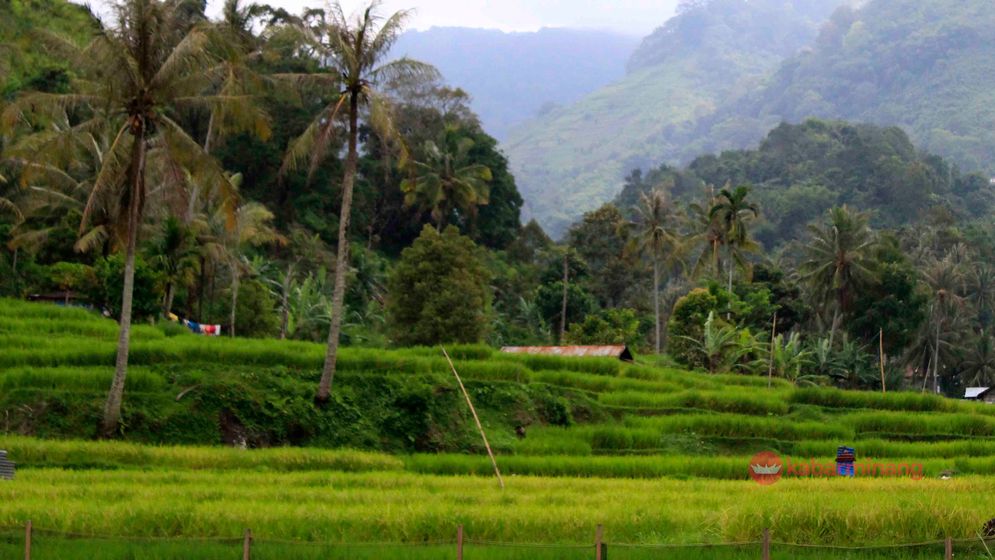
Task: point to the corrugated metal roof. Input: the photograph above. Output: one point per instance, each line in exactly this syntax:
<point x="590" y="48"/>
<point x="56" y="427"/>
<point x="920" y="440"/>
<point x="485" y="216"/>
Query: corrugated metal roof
<point x="975" y="392"/>
<point x="620" y="352"/>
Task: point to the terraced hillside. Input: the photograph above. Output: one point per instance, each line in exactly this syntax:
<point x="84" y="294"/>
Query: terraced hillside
<point x="395" y="457"/>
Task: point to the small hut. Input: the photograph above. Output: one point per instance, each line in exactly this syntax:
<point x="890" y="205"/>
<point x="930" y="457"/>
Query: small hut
<point x="980" y="394"/>
<point x="619" y="352"/>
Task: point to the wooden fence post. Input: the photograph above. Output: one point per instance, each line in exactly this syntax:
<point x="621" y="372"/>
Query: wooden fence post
<point x="765" y="552"/>
<point x="598" y="542"/>
<point x="27" y="540"/>
<point x="459" y="543"/>
<point x="247" y="545"/>
<point x="949" y="549"/>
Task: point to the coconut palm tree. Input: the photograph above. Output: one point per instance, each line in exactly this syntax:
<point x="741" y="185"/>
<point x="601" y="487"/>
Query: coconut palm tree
<point x="839" y="259"/>
<point x="981" y="290"/>
<point x="139" y="77"/>
<point x="656" y="236"/>
<point x="732" y="212"/>
<point x="447" y="180"/>
<point x="707" y="234"/>
<point x="978" y="367"/>
<point x="946" y="283"/>
<point x="353" y="52"/>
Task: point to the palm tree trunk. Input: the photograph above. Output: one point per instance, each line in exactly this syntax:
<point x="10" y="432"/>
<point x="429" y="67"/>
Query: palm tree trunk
<point x="563" y="307"/>
<point x="342" y="254"/>
<point x="170" y="291"/>
<point x="834" y="326"/>
<point x="112" y="408"/>
<point x="200" y="287"/>
<point x="210" y="132"/>
<point x="936" y="361"/>
<point x="285" y="303"/>
<point x="730" y="265"/>
<point x="234" y="301"/>
<point x="656" y="300"/>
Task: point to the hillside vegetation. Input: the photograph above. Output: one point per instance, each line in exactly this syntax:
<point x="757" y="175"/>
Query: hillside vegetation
<point x="924" y="66"/>
<point x="572" y="159"/>
<point x="798" y="171"/>
<point x="22" y="63"/>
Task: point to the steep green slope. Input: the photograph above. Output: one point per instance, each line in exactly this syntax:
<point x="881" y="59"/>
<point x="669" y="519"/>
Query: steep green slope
<point x="573" y="159"/>
<point x="925" y="65"/>
<point x="23" y="61"/>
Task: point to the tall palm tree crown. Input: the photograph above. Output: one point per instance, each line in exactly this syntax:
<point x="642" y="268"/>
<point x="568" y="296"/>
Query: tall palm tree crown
<point x="839" y="259"/>
<point x="733" y="213"/>
<point x="447" y="180"/>
<point x="354" y="53"/>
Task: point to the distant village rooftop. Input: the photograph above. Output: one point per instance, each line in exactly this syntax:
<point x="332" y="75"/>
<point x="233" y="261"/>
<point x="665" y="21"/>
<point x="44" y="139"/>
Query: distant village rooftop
<point x="984" y="394"/>
<point x="620" y="352"/>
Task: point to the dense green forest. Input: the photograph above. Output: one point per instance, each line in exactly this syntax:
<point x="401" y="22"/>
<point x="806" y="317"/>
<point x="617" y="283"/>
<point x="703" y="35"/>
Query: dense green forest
<point x="280" y="175"/>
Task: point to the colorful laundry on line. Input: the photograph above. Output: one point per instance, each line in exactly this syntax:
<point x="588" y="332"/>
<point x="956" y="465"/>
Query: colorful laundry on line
<point x="196" y="328"/>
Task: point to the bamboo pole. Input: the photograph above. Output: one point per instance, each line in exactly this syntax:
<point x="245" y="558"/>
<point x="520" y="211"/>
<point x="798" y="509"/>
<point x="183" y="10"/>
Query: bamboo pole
<point x="27" y="540"/>
<point x="476" y="418"/>
<point x="949" y="549"/>
<point x="770" y="368"/>
<point x="599" y="535"/>
<point x="881" y="359"/>
<point x="459" y="543"/>
<point x="247" y="545"/>
<point x="765" y="551"/>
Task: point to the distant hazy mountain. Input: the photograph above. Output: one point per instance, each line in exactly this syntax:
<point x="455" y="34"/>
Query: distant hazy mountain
<point x="514" y="76"/>
<point x="574" y="158"/>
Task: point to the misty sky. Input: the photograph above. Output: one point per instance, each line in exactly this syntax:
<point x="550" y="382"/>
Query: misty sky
<point x="636" y="17"/>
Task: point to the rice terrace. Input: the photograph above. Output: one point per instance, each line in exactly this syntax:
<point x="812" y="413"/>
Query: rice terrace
<point x="658" y="456"/>
<point x="497" y="280"/>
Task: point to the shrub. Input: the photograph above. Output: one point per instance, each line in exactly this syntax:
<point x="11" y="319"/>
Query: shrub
<point x="439" y="291"/>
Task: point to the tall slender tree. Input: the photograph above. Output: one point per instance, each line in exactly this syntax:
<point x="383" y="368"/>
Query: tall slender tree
<point x="354" y="53"/>
<point x="733" y="213"/>
<point x="139" y="76"/>
<point x="656" y="236"/>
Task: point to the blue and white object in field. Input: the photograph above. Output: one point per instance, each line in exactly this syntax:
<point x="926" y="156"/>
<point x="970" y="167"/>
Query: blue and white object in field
<point x="845" y="459"/>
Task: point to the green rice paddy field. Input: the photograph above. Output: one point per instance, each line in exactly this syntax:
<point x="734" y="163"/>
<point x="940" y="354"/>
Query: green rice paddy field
<point x="658" y="456"/>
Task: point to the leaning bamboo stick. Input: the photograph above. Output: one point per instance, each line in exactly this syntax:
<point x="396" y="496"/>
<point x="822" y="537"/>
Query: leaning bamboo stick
<point x="476" y="418"/>
<point x="881" y="359"/>
<point x="770" y="360"/>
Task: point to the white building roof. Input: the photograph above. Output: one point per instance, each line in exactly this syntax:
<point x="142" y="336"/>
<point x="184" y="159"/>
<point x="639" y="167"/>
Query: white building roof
<point x="975" y="392"/>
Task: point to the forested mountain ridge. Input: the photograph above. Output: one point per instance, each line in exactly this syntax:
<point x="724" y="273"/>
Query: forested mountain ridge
<point x="512" y="77"/>
<point x="924" y="65"/>
<point x="800" y="171"/>
<point x="572" y="159"/>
